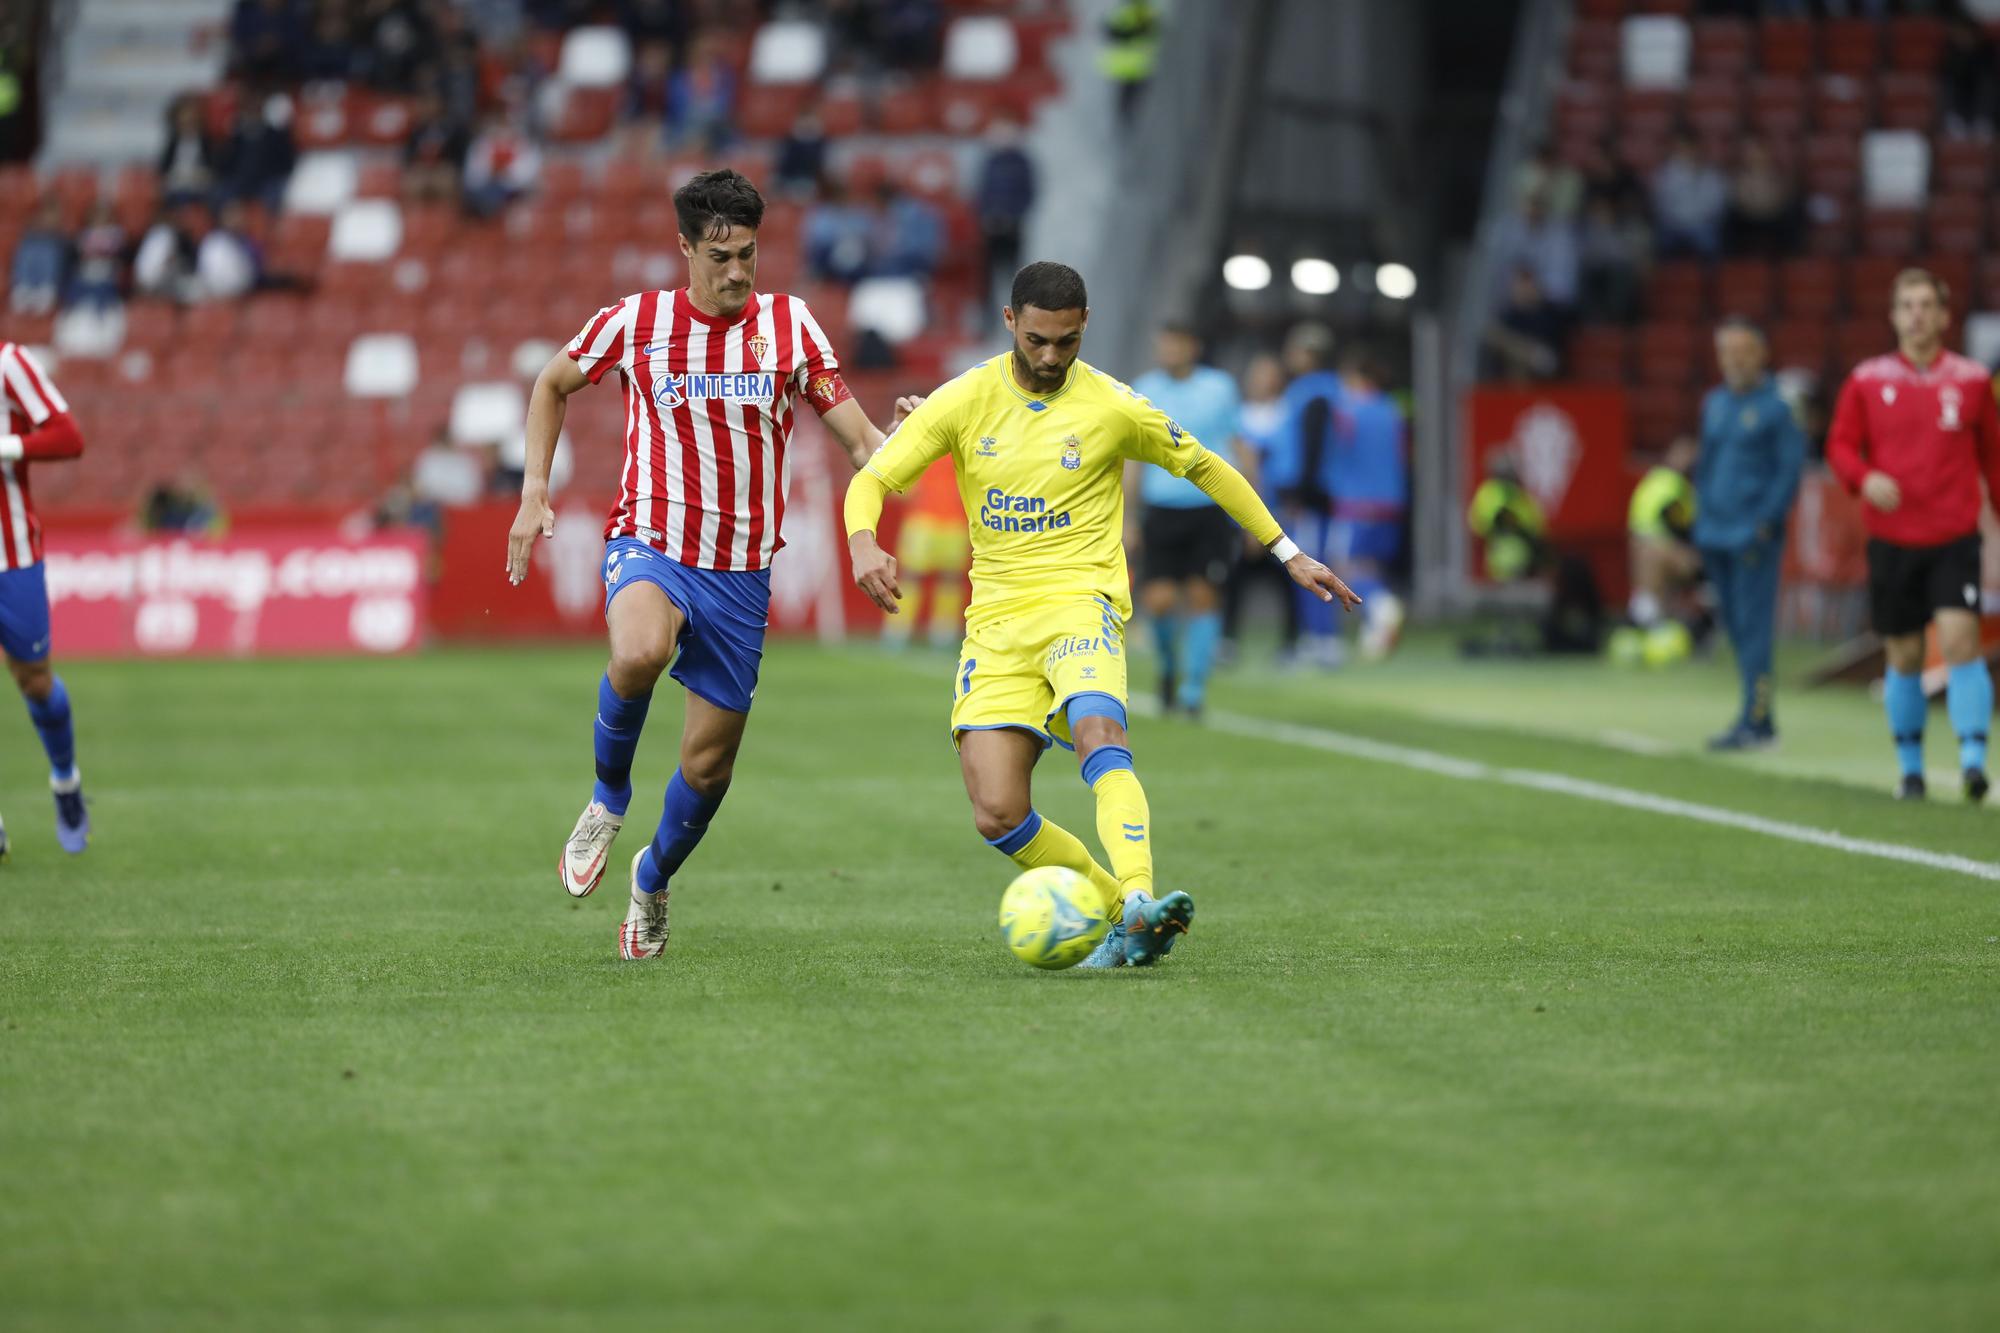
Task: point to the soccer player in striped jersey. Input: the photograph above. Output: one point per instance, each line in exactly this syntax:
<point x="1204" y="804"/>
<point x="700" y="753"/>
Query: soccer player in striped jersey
<point x="1039" y="441"/>
<point x="712" y="376"/>
<point x="39" y="429"/>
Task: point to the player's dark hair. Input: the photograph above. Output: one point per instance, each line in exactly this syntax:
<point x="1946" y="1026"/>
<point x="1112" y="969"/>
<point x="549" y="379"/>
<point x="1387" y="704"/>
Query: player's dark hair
<point x="1360" y="360"/>
<point x="1914" y="277"/>
<point x="1049" y="286"/>
<point x="713" y="202"/>
<point x="1740" y="324"/>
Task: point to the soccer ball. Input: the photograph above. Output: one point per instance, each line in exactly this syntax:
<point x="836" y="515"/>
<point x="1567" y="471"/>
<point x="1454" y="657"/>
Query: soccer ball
<point x="1051" y="918"/>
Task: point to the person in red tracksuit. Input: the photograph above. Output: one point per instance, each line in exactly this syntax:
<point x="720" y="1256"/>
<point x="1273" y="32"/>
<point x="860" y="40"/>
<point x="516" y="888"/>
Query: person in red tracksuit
<point x="1912" y="435"/>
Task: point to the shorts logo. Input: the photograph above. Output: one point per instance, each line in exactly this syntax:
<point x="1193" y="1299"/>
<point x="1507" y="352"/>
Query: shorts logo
<point x="1089" y="673"/>
<point x="987" y="445"/>
<point x="1072" y="454"/>
<point x="760" y="347"/>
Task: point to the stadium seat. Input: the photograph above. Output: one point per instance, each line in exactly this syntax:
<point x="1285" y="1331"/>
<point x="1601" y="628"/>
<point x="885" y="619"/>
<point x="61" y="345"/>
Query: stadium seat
<point x="322" y="182"/>
<point x="586" y="115"/>
<point x="1859" y="339"/>
<point x="366" y="231"/>
<point x="1593" y="51"/>
<point x="1809" y="288"/>
<point x="381" y="365"/>
<point x="1869" y="278"/>
<point x="1648" y="113"/>
<point x="1908" y="102"/>
<point x="595" y="57"/>
<point x="968" y="108"/>
<point x="1850" y="46"/>
<point x="153" y="324"/>
<point x="1655" y="50"/>
<point x="379" y="121"/>
<point x="486" y="413"/>
<point x="1745" y="287"/>
<point x="1659" y="413"/>
<point x="1714" y="107"/>
<point x="910" y="108"/>
<point x="1956" y="272"/>
<point x="1785" y="46"/>
<point x="1841" y="105"/>
<point x="770" y="113"/>
<point x="1895" y="168"/>
<point x="1916" y="45"/>
<point x="1677" y="290"/>
<point x="1956" y="223"/>
<point x="1894" y="231"/>
<point x="1962" y="164"/>
<point x="1723" y="48"/>
<point x="788" y="51"/>
<point x="1982" y="337"/>
<point x="892" y="308"/>
<point x="1667" y="353"/>
<point x="1778" y="106"/>
<point x="980" y="47"/>
<point x="1600" y="354"/>
<point x="1801" y="344"/>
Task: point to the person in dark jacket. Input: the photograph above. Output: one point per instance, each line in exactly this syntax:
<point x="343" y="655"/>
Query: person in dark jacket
<point x="1745" y="479"/>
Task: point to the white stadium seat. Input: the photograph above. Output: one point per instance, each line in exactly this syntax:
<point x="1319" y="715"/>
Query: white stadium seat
<point x="892" y="307"/>
<point x="981" y="47"/>
<point x="595" y="57"/>
<point x="322" y="182"/>
<point x="788" y="51"/>
<point x="381" y="365"/>
<point x="487" y="413"/>
<point x="1895" y="168"/>
<point x="366" y="231"/>
<point x="1982" y="338"/>
<point x="1655" y="50"/>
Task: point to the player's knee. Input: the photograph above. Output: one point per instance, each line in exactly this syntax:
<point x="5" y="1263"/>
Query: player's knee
<point x="1094" y="733"/>
<point x="639" y="659"/>
<point x="709" y="774"/>
<point x="33" y="679"/>
<point x="996" y="818"/>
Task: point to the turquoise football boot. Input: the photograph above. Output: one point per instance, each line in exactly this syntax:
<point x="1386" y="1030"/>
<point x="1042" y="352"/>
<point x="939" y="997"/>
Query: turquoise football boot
<point x="1110" y="951"/>
<point x="1152" y="924"/>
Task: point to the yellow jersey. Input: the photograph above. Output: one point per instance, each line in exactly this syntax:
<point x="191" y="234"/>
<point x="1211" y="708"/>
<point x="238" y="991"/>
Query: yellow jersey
<point x="1041" y="477"/>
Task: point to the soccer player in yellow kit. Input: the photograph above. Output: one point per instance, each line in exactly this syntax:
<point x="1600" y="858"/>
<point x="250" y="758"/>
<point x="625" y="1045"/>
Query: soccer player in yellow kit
<point x="1039" y="441"/>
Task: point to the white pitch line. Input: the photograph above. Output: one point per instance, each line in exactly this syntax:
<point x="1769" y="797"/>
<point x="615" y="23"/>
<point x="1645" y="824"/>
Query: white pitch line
<point x="1429" y="761"/>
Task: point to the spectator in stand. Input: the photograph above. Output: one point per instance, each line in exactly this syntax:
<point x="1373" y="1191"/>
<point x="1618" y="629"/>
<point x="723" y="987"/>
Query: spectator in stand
<point x="701" y="99"/>
<point x="801" y="155"/>
<point x="182" y="506"/>
<point x="457" y="80"/>
<point x="1612" y="255"/>
<point x="1970" y="73"/>
<point x="400" y="37"/>
<point x="165" y="264"/>
<point x="1690" y="199"/>
<point x="655" y="20"/>
<point x="502" y="165"/>
<point x="328" y="55"/>
<point x="187" y="164"/>
<point x="1524" y="340"/>
<point x="907" y="237"/>
<point x="1005" y="194"/>
<point x="99" y="277"/>
<point x="257" y="159"/>
<point x="837" y="234"/>
<point x="265" y="39"/>
<point x="909" y="34"/>
<point x="1765" y="208"/>
<point x="648" y="91"/>
<point x="42" y="261"/>
<point x="228" y="264"/>
<point x="1547" y="248"/>
<point x="433" y="154"/>
<point x="1548" y="178"/>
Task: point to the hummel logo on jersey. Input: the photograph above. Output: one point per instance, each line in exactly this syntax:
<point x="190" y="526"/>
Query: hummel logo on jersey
<point x="987" y="446"/>
<point x="674" y="390"/>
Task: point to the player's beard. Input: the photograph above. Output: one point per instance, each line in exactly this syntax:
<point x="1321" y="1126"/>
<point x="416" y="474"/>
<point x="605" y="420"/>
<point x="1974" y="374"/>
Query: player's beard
<point x="1026" y="372"/>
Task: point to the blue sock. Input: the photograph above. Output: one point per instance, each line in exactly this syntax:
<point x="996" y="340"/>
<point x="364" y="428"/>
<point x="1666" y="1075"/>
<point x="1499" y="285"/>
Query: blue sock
<point x="683" y="820"/>
<point x="1198" y="656"/>
<point x="1903" y="698"/>
<point x="1165" y="634"/>
<point x="1968" y="696"/>
<point x="619" y="722"/>
<point x="51" y="719"/>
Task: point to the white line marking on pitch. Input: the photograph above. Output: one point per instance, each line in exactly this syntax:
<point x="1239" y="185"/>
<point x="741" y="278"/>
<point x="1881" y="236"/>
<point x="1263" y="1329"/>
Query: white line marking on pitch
<point x="1429" y="761"/>
<point x="1636" y="743"/>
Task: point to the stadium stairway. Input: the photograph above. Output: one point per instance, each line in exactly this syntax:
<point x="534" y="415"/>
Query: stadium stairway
<point x="122" y="62"/>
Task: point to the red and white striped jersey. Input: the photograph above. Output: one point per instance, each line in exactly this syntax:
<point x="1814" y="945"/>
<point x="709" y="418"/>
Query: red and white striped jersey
<point x="708" y="418"/>
<point x="32" y="398"/>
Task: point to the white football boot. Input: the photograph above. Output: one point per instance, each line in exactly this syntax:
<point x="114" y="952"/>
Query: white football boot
<point x="643" y="933"/>
<point x="588" y="850"/>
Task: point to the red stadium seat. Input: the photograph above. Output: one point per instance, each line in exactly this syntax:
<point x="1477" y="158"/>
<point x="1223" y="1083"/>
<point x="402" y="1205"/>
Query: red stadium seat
<point x="908" y="109"/>
<point x="1841" y="105"/>
<point x="1869" y="278"/>
<point x="842" y="115"/>
<point x="1859" y="339"/>
<point x="1786" y="46"/>
<point x="1660" y="412"/>
<point x="767" y="112"/>
<point x="1850" y="46"/>
<point x="1667" y="353"/>
<point x="1961" y="164"/>
<point x="965" y="107"/>
<point x="1601" y="354"/>
<point x="1957" y="223"/>
<point x="1647" y="112"/>
<point x="587" y="115"/>
<point x="1593" y="50"/>
<point x="1908" y="102"/>
<point x="1714" y="106"/>
<point x="1723" y="47"/>
<point x="1833" y="165"/>
<point x="1956" y="272"/>
<point x="1986" y="288"/>
<point x="1677" y="290"/>
<point x="1891" y="232"/>
<point x="1779" y="106"/>
<point x="1583" y="110"/>
<point x="152" y="324"/>
<point x="1745" y="287"/>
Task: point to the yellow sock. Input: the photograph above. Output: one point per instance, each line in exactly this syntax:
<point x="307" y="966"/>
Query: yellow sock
<point x="1055" y="845"/>
<point x="948" y="607"/>
<point x="1125" y="829"/>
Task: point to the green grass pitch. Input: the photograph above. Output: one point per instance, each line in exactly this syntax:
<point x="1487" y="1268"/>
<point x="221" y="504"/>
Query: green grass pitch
<point x="311" y="1038"/>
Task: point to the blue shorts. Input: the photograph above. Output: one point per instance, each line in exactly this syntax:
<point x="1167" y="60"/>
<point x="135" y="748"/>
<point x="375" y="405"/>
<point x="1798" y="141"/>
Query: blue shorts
<point x="24" y="613"/>
<point x="727" y="612"/>
<point x="1364" y="539"/>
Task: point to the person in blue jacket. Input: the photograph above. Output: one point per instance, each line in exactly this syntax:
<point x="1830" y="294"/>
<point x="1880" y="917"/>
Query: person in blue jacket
<point x="1745" y="479"/>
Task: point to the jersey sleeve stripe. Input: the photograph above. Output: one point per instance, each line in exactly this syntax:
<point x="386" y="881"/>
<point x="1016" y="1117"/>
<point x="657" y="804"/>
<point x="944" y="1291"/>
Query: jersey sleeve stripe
<point x="27" y="390"/>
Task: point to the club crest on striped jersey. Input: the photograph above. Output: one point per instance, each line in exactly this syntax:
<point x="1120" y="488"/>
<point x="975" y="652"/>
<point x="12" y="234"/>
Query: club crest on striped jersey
<point x="672" y="390"/>
<point x="760" y="347"/>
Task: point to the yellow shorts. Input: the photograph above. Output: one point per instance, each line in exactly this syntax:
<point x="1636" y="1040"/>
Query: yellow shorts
<point x="1021" y="671"/>
<point x="933" y="546"/>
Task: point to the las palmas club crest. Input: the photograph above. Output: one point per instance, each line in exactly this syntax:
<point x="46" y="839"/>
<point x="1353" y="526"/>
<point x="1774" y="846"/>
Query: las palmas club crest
<point x="1072" y="454"/>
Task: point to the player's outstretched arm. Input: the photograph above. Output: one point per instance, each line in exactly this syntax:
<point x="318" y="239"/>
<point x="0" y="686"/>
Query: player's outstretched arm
<point x="546" y="407"/>
<point x="1238" y="498"/>
<point x="849" y="425"/>
<point x="874" y="568"/>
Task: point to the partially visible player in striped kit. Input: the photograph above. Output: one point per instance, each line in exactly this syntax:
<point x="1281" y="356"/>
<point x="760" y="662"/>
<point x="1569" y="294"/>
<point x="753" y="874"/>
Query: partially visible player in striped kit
<point x="712" y="376"/>
<point x="39" y="429"/>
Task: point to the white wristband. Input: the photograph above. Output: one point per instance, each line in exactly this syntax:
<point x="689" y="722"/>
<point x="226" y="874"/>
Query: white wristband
<point x="1284" y="548"/>
<point x="10" y="446"/>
